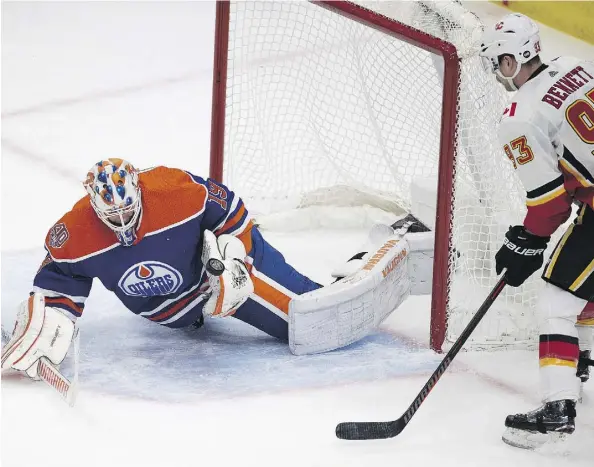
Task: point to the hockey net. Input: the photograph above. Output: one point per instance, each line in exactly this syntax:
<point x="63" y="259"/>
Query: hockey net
<point x="381" y="104"/>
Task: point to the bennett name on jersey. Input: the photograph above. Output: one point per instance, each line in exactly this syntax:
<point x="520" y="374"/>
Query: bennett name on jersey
<point x="566" y="86"/>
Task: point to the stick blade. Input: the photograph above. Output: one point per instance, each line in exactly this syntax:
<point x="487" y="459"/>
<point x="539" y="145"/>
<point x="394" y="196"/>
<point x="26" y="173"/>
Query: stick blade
<point x="369" y="430"/>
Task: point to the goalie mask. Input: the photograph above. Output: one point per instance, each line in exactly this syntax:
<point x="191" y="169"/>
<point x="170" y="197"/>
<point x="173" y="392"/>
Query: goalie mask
<point x="515" y="35"/>
<point x="115" y="195"/>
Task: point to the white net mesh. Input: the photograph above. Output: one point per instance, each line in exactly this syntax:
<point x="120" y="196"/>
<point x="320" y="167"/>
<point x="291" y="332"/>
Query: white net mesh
<point x="323" y="110"/>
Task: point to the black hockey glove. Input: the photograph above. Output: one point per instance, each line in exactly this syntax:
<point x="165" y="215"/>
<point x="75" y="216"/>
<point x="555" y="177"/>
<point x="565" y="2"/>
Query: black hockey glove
<point x="522" y="254"/>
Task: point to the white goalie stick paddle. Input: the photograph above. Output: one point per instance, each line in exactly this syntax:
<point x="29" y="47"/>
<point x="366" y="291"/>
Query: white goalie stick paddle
<point x="53" y="377"/>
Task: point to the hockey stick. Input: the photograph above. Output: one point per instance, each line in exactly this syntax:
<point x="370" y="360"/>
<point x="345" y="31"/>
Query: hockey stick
<point x="382" y="430"/>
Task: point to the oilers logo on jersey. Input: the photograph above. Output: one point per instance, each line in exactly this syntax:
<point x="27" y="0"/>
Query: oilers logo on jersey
<point x="150" y="278"/>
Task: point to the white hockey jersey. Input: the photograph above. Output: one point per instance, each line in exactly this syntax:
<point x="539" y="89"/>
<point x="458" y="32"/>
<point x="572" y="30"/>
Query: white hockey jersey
<point x="548" y="134"/>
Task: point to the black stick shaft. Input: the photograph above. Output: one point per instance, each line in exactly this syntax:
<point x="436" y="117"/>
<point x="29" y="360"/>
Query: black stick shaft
<point x="379" y="430"/>
<point x="445" y="363"/>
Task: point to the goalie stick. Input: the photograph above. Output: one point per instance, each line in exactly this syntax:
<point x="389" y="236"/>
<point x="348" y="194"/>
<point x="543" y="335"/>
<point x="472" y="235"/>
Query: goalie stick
<point x="53" y="377"/>
<point x="382" y="430"/>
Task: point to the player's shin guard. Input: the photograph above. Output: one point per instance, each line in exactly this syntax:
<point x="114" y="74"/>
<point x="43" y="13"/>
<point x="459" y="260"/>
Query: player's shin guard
<point x="558" y="362"/>
<point x="558" y="344"/>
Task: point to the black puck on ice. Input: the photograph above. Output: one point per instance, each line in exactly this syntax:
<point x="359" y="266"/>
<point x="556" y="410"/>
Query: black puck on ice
<point x="215" y="267"/>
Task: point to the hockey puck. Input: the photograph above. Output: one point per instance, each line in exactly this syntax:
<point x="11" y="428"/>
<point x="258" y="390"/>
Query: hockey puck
<point x="215" y="267"/>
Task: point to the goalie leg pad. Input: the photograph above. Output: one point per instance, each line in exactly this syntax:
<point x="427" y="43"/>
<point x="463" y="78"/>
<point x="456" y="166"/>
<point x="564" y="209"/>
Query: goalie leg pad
<point x="348" y="310"/>
<point x="27" y="328"/>
<point x="378" y="234"/>
<point x="420" y="252"/>
<point x="39" y="331"/>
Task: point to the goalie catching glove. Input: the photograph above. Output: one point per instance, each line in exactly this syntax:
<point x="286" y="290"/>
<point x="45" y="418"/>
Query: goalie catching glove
<point x="39" y="331"/>
<point x="229" y="279"/>
<point x="522" y="254"/>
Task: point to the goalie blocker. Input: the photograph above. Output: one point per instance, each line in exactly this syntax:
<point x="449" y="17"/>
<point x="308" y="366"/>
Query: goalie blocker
<point x="351" y="308"/>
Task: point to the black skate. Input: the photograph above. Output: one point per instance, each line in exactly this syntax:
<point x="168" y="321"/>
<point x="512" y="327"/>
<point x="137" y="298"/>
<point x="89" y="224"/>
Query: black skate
<point x="551" y="422"/>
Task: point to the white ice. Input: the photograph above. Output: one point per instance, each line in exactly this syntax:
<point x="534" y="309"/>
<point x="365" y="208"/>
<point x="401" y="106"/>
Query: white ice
<point x="85" y="81"/>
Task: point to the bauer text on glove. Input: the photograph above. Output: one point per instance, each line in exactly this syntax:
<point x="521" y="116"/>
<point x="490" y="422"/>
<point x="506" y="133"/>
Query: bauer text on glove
<point x="521" y="254"/>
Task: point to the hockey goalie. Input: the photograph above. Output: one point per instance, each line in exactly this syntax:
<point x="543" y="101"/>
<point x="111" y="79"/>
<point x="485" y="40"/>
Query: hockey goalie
<point x="176" y="249"/>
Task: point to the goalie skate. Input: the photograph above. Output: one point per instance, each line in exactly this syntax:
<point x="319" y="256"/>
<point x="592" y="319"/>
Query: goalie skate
<point x="409" y="224"/>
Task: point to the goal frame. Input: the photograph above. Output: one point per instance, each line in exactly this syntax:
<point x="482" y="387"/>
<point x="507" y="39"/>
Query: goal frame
<point x="448" y="133"/>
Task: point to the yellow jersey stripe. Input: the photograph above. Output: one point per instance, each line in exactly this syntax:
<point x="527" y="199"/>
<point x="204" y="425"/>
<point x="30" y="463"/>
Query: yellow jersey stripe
<point x="546" y="197"/>
<point x="557" y="362"/>
<point x="573" y="171"/>
<point x="551" y="265"/>
<point x="582" y="277"/>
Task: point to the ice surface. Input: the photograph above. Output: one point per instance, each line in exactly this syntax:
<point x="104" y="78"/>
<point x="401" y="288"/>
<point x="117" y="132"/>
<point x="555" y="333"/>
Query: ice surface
<point x="82" y="81"/>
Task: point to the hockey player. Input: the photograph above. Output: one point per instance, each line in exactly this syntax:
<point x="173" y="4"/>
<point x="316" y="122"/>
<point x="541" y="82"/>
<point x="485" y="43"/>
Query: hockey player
<point x="175" y="248"/>
<point x="547" y="132"/>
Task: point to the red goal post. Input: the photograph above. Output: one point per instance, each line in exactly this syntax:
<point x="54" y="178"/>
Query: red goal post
<point x="448" y="133"/>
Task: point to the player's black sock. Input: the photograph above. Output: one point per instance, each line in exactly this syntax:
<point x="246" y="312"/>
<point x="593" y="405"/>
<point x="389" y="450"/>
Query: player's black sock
<point x="583" y="368"/>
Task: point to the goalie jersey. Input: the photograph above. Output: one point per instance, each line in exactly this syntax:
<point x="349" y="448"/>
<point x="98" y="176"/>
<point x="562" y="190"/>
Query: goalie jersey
<point x="548" y="134"/>
<point x="161" y="276"/>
